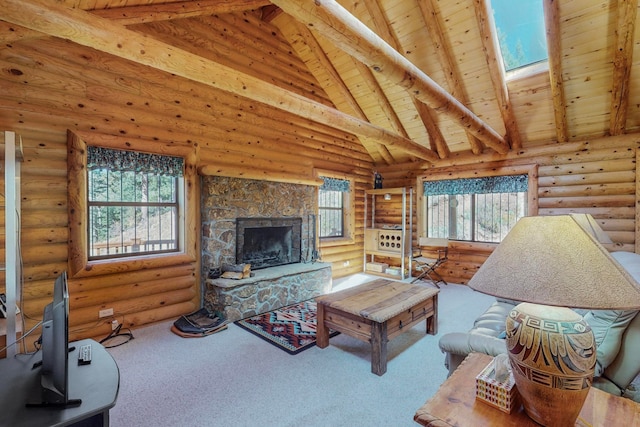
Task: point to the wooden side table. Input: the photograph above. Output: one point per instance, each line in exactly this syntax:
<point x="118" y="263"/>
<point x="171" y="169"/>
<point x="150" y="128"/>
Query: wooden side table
<point x="455" y="404"/>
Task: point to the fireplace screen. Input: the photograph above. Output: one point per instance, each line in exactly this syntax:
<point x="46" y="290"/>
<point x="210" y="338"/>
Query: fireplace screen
<point x="267" y="242"/>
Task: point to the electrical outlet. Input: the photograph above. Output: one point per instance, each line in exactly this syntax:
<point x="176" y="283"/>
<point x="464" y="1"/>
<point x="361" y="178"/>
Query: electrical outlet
<point x="105" y="313"/>
<point x="114" y="324"/>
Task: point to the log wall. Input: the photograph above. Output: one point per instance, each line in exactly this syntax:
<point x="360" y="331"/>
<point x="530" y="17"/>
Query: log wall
<point x="597" y="177"/>
<point x="51" y="86"/>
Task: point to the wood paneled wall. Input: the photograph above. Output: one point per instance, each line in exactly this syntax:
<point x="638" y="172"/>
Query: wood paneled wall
<point x="51" y="85"/>
<point x="597" y="177"/>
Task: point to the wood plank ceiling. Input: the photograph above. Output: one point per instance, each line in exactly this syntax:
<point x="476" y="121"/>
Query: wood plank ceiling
<point x="411" y="80"/>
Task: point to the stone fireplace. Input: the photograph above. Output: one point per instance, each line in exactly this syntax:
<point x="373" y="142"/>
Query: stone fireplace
<point x="269" y="225"/>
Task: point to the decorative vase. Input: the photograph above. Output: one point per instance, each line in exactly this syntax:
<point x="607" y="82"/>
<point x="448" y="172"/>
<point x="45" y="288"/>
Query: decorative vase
<point x="552" y="352"/>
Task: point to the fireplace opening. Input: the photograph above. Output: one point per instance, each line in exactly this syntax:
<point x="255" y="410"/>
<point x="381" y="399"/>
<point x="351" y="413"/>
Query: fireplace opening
<point x="267" y="242"/>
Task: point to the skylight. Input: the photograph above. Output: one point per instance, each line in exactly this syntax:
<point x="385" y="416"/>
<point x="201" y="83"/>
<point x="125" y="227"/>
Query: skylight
<point x="521" y="32"/>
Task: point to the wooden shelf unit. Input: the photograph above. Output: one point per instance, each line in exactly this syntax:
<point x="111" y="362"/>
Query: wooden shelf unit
<point x="388" y="240"/>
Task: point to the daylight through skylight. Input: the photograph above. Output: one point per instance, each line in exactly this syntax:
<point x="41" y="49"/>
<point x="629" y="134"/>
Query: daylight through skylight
<point x="521" y="32"/>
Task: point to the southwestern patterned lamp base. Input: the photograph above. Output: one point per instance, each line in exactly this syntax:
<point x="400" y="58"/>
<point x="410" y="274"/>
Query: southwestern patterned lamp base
<point x="553" y="354"/>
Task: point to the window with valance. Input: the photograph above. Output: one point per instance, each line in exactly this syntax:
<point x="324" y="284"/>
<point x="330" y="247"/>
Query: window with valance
<point x="133" y="203"/>
<point x="333" y="202"/>
<point x="480" y="209"/>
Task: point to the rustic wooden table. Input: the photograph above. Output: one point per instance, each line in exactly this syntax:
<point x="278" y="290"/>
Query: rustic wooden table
<point x="455" y="404"/>
<point x="377" y="312"/>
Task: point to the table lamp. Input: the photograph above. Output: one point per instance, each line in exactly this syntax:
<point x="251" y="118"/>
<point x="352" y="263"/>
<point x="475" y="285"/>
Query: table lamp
<point x="550" y="263"/>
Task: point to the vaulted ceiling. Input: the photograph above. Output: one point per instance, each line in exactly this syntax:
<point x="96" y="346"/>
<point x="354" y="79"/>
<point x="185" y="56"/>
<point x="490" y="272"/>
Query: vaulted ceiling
<point x="410" y="80"/>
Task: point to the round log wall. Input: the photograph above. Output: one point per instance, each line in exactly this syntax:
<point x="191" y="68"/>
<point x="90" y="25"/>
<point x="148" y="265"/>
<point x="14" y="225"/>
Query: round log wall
<point x="596" y="176"/>
<point x="50" y="86"/>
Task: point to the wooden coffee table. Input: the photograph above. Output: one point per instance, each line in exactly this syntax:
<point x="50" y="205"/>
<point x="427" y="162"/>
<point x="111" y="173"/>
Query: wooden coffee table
<point x="377" y="312"/>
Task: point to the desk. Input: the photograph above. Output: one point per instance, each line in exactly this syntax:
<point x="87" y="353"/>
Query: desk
<point x="376" y="312"/>
<point x="455" y="404"/>
<point x="96" y="384"/>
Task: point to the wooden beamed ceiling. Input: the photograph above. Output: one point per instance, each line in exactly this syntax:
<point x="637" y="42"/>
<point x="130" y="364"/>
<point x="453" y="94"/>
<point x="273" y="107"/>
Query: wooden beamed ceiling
<point x="412" y="80"/>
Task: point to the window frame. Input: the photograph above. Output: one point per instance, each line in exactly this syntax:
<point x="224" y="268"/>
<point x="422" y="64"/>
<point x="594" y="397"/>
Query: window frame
<point x="499" y="170"/>
<point x="341" y="209"/>
<point x="79" y="264"/>
<point x="524" y="68"/>
<point x="348" y="215"/>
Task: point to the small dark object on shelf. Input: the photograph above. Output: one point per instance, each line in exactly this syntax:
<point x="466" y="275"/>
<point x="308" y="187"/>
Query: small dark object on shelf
<point x="377" y="180"/>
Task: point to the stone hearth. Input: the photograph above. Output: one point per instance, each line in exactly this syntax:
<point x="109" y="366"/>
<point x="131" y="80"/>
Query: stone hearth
<point x="268" y="289"/>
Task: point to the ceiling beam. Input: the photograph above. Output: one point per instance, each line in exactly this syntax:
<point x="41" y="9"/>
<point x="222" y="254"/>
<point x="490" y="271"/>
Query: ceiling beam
<point x="376" y="92"/>
<point x="426" y="114"/>
<point x="353" y="37"/>
<point x="622" y="62"/>
<point x="491" y="49"/>
<point x="436" y="139"/>
<point x="382" y="29"/>
<point x="103" y="35"/>
<point x="433" y="23"/>
<point x="11" y="33"/>
<point x="129" y="15"/>
<point x="334" y="85"/>
<point x="554" y="48"/>
<point x="300" y="38"/>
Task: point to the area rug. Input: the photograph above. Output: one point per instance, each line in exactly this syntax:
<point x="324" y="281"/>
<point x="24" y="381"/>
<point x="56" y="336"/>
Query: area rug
<point x="291" y="328"/>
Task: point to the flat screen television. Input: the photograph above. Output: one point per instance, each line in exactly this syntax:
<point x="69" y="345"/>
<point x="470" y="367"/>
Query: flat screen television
<point x="54" y="374"/>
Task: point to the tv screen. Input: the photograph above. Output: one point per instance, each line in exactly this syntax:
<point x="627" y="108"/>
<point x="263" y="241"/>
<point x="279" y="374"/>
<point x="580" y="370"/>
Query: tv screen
<point x="54" y="378"/>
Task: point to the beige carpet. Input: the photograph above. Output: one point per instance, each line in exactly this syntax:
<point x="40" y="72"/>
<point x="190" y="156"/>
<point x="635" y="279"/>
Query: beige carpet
<point x="235" y="379"/>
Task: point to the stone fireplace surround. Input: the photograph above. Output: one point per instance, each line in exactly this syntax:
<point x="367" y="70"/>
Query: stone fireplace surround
<point x="226" y="199"/>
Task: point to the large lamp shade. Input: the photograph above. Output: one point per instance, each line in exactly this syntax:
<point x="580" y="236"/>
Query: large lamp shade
<point x="557" y="260"/>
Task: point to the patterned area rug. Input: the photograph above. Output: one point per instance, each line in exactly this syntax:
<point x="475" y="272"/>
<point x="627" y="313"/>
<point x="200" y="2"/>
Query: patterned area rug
<point x="291" y="328"/>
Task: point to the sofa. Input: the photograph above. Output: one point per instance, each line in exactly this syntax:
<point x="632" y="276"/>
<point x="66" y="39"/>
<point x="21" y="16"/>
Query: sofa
<point x="617" y="334"/>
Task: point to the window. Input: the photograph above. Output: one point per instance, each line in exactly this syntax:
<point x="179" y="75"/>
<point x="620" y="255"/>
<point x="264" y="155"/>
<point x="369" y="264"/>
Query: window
<point x="334" y="203"/>
<point x="133" y="203"/>
<point x="79" y="264"/>
<point x="475" y="209"/>
<point x="331" y="210"/>
<point x="521" y="32"/>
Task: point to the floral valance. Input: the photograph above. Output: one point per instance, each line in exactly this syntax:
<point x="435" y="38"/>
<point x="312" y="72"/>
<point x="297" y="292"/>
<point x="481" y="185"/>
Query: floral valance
<point x="335" y="184"/>
<point x="133" y="161"/>
<point x="493" y="184"/>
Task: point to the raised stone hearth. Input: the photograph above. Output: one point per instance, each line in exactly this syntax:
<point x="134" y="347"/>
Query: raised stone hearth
<point x="268" y="289"/>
